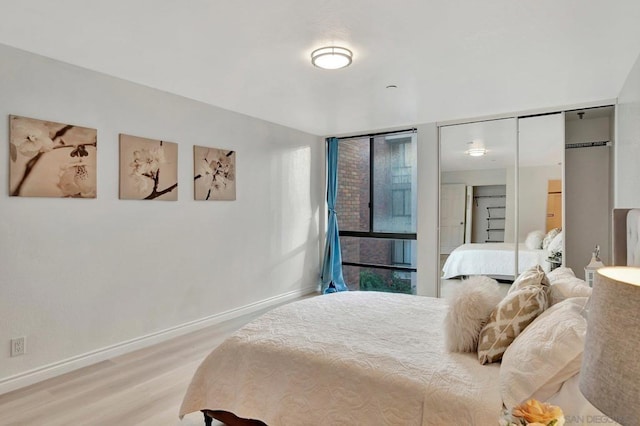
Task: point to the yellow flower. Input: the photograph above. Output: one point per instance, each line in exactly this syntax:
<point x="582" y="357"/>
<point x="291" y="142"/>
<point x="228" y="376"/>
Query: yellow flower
<point x="536" y="413"/>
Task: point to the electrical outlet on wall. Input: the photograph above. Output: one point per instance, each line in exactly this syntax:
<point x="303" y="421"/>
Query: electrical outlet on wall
<point x="18" y="346"/>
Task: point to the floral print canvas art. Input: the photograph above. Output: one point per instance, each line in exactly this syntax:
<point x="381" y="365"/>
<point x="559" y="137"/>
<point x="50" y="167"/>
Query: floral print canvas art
<point x="148" y="169"/>
<point x="214" y="173"/>
<point x="49" y="159"/>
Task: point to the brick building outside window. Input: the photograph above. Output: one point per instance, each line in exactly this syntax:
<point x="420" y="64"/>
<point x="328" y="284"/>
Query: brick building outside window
<point x="376" y="211"/>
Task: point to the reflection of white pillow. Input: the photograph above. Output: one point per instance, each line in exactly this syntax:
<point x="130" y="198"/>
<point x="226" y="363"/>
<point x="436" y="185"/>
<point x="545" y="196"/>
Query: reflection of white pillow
<point x="545" y="354"/>
<point x="556" y="244"/>
<point x="534" y="240"/>
<point x="469" y="308"/>
<point x="550" y="236"/>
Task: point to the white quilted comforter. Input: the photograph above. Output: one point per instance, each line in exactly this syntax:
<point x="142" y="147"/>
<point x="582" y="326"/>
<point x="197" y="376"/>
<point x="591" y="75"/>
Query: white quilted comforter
<point x="493" y="259"/>
<point x="353" y="358"/>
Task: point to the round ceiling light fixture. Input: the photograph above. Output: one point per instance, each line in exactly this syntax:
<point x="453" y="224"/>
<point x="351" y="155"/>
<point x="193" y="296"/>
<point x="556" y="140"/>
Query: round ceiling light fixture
<point x="331" y="58"/>
<point x="476" y="149"/>
<point x="477" y="152"/>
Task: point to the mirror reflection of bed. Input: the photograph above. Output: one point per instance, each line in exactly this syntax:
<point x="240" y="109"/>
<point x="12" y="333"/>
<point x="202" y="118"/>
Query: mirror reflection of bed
<point x="476" y="204"/>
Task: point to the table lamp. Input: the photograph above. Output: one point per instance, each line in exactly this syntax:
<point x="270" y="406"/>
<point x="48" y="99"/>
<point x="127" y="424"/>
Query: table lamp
<point x="610" y="373"/>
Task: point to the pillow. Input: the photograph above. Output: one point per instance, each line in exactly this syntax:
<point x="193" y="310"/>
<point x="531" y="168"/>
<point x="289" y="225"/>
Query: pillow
<point x="556" y="244"/>
<point x="550" y="235"/>
<point x="532" y="276"/>
<point x="546" y="354"/>
<point x="561" y="272"/>
<point x="517" y="310"/>
<point x="469" y="309"/>
<point x="534" y="240"/>
<point x="567" y="287"/>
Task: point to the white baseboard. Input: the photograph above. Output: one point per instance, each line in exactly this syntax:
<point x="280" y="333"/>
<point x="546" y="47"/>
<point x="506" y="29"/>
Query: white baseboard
<point x="39" y="374"/>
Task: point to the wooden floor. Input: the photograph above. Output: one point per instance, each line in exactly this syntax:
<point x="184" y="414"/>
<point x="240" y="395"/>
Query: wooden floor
<point x="144" y="387"/>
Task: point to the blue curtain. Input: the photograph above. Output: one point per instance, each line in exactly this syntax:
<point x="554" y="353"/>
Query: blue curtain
<point x="332" y="279"/>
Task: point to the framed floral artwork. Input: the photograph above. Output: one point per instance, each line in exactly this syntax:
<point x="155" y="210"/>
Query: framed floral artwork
<point x="49" y="159"/>
<point x="148" y="169"/>
<point x="214" y="174"/>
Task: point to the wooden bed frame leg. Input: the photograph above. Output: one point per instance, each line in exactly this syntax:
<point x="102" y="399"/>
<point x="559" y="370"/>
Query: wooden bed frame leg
<point x="207" y="419"/>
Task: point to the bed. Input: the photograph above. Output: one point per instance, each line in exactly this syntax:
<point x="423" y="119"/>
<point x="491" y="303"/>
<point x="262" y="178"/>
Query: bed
<point x="346" y="358"/>
<point x="368" y="358"/>
<point x="493" y="259"/>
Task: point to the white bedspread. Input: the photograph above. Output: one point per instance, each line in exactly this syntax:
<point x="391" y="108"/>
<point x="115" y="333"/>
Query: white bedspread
<point x="494" y="259"/>
<point x="353" y="358"/>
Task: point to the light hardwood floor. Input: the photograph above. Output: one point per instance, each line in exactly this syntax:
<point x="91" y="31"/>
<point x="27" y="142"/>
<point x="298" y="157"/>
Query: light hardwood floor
<point x="144" y="387"/>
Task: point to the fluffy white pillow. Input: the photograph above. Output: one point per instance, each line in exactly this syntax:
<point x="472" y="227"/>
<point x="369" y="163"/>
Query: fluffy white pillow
<point x="556" y="244"/>
<point x="469" y="308"/>
<point x="550" y="236"/>
<point x="546" y="353"/>
<point x="534" y="240"/>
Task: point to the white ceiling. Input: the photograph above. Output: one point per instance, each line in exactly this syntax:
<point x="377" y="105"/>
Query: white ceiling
<point x="449" y="59"/>
<point x="540" y="142"/>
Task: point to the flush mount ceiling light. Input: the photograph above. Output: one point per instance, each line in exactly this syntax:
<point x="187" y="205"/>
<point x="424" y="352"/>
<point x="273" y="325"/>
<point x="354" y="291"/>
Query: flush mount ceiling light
<point x="331" y="58"/>
<point x="475" y="150"/>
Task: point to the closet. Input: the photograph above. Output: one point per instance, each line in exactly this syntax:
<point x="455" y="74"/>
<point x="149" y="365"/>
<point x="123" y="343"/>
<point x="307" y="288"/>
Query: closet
<point x="589" y="138"/>
<point x="488" y="217"/>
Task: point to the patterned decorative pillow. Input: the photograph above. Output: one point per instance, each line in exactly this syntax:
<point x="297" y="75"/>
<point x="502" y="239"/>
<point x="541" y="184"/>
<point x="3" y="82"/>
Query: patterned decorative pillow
<point x="532" y="276"/>
<point x="517" y="310"/>
<point x="549" y="237"/>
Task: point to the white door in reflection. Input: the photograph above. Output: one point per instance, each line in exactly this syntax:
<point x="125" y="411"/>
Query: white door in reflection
<point x="452" y="216"/>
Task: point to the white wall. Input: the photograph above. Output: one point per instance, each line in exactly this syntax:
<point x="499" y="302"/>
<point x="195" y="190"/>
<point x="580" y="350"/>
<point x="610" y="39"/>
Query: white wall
<point x="475" y="177"/>
<point x="428" y="263"/>
<point x="81" y="275"/>
<point x="627" y="145"/>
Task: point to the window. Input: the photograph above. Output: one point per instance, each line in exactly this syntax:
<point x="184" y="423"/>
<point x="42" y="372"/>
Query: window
<point x="376" y="207"/>
<point x="401" y="202"/>
<point x="401" y="252"/>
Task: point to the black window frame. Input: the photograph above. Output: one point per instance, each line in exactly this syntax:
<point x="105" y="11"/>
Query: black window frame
<point x="371" y="233"/>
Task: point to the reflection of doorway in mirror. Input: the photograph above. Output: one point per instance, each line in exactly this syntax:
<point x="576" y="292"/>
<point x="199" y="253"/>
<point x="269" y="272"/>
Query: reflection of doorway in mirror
<point x="554" y="204"/>
<point x="452" y="216"/>
<point x="489" y="204"/>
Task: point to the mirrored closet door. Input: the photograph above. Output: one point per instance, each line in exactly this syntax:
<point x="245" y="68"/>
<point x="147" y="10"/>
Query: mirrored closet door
<point x="477" y="200"/>
<point x="540" y="191"/>
<point x="549" y="174"/>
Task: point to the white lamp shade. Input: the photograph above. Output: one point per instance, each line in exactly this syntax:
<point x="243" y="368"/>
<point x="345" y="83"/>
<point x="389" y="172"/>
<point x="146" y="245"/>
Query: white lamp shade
<point x="610" y="374"/>
<point x="331" y="58"/>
